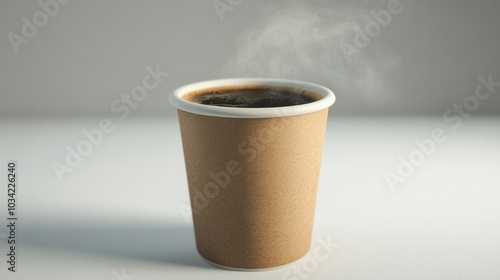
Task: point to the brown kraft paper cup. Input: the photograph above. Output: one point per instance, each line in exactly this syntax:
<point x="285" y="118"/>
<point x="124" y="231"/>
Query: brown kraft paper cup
<point x="252" y="175"/>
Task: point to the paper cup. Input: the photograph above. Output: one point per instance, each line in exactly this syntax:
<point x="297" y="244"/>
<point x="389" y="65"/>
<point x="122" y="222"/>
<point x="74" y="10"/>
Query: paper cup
<point x="252" y="174"/>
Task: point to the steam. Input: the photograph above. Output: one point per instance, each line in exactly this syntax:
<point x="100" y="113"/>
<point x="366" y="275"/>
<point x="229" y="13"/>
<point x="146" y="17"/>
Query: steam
<point x="304" y="42"/>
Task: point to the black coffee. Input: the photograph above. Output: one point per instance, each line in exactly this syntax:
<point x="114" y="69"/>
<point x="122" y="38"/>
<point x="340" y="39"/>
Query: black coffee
<point x="253" y="97"/>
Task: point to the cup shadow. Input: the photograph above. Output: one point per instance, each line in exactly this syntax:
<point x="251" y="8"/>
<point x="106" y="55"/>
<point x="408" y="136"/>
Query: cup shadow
<point x="173" y="244"/>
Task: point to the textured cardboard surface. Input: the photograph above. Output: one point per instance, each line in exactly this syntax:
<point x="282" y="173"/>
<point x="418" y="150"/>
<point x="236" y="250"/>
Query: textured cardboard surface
<point x="253" y="185"/>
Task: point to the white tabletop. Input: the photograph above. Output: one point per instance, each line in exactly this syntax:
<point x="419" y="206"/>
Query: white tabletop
<point x="121" y="213"/>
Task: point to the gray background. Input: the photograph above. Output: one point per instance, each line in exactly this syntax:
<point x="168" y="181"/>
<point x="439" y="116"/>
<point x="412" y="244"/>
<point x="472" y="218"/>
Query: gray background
<point x="93" y="51"/>
<point x="125" y="205"/>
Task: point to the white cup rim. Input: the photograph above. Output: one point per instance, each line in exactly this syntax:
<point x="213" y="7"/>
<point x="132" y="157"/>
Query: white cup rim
<point x="270" y="112"/>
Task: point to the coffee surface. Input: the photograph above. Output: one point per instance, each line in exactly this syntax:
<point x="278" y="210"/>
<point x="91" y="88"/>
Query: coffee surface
<point x="253" y="97"/>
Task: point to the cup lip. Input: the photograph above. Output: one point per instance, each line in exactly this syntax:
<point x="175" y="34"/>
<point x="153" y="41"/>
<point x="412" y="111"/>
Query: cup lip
<point x="269" y="112"/>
